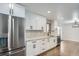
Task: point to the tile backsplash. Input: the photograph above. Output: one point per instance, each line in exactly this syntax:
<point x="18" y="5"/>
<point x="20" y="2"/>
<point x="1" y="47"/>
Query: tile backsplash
<point x="34" y="34"/>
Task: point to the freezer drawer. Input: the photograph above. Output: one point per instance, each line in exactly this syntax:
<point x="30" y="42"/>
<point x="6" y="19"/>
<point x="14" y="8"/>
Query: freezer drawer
<point x="4" y="54"/>
<point x="18" y="52"/>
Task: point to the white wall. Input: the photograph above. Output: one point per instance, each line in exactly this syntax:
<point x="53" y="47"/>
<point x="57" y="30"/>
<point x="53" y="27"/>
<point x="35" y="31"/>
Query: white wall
<point x="69" y="33"/>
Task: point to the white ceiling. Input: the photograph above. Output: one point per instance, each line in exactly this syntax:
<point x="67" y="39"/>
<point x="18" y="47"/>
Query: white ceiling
<point x="58" y="10"/>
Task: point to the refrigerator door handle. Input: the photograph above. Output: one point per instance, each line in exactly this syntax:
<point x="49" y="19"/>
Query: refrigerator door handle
<point x="9" y="33"/>
<point x="13" y="31"/>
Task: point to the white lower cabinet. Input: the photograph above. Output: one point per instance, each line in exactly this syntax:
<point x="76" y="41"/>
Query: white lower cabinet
<point x="39" y="46"/>
<point x="29" y="49"/>
<point x="48" y="44"/>
<point x="44" y="45"/>
<point x="53" y="41"/>
<point x="33" y="48"/>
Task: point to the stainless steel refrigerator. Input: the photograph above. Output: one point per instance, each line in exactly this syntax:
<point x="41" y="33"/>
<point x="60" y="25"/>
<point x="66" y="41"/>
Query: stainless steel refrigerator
<point x="11" y="35"/>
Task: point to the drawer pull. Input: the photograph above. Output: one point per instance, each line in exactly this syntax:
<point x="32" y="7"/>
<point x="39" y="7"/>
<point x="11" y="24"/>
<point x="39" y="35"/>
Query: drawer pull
<point x="54" y="40"/>
<point x="43" y="49"/>
<point x="34" y="45"/>
<point x="43" y="43"/>
<point x="43" y="40"/>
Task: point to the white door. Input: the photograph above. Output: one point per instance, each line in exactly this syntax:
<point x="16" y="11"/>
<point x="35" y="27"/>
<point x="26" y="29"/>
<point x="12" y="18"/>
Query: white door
<point x="33" y="21"/>
<point x="34" y="47"/>
<point x="43" y="21"/>
<point x="29" y="49"/>
<point x="44" y="45"/>
<point x="38" y="47"/>
<point x="39" y="27"/>
<point x="48" y="44"/>
<point x="27" y="22"/>
<point x="52" y="42"/>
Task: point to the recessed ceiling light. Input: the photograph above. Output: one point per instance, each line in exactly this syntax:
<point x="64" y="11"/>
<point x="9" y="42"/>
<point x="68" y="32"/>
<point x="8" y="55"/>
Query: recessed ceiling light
<point x="49" y="12"/>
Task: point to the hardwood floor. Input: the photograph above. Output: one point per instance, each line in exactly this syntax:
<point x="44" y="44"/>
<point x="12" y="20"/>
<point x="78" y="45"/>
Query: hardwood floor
<point x="66" y="48"/>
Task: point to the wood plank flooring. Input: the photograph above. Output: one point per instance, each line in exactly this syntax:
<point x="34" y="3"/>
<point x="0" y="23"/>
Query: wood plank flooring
<point x="66" y="48"/>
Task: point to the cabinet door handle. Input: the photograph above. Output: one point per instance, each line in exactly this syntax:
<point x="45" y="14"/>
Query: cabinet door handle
<point x="43" y="49"/>
<point x="43" y="43"/>
<point x="54" y="40"/>
<point x="43" y="40"/>
<point x="10" y="11"/>
<point x="34" y="45"/>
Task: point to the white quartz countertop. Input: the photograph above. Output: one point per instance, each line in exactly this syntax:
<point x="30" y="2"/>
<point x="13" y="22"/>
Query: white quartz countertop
<point x="37" y="38"/>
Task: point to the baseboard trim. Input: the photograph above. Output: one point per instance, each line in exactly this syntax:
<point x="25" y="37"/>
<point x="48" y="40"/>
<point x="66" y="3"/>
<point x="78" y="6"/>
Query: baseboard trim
<point x="71" y="40"/>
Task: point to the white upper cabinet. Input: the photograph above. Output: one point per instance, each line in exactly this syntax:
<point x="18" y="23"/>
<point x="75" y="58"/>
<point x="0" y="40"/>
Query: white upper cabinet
<point x="4" y="8"/>
<point x="27" y="21"/>
<point x="43" y="23"/>
<point x="37" y="22"/>
<point x="18" y="10"/>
